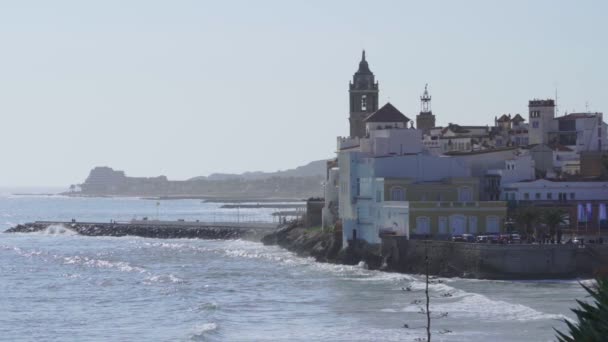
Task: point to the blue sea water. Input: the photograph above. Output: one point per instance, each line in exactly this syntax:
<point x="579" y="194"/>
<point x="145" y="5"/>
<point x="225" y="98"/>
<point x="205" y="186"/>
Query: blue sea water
<point x="58" y="286"/>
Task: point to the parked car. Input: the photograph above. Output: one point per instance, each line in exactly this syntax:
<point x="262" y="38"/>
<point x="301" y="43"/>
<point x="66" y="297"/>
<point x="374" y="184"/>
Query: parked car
<point x="504" y="238"/>
<point x="493" y="239"/>
<point x="468" y="237"/>
<point x="515" y="238"/>
<point x="482" y="239"/>
<point x="458" y="238"/>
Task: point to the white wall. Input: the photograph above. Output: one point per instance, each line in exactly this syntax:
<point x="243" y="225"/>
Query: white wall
<point x="582" y="190"/>
<point x="396" y="141"/>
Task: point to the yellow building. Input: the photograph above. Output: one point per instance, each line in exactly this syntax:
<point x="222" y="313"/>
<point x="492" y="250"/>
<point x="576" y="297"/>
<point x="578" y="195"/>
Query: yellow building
<point x="446" y="208"/>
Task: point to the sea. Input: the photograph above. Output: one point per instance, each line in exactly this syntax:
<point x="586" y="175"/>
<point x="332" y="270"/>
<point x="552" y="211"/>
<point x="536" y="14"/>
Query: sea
<point x="59" y="286"/>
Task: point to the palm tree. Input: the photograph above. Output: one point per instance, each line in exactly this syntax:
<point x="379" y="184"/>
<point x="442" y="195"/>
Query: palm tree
<point x="528" y="217"/>
<point x="554" y="218"/>
<point x="592" y="316"/>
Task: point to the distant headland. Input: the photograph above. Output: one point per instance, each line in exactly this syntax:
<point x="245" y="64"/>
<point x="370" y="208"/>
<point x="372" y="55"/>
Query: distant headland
<point x="299" y="183"/>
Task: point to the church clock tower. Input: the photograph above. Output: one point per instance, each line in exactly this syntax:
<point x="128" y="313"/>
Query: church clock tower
<point x="363" y="93"/>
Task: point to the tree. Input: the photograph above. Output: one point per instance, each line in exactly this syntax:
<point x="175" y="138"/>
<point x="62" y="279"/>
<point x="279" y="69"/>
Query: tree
<point x="592" y="317"/>
<point x="528" y="217"/>
<point x="554" y="218"/>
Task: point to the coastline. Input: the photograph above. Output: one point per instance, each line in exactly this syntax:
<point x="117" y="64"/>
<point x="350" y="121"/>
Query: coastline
<point x="394" y="254"/>
<point x="447" y="259"/>
<point x="323" y="246"/>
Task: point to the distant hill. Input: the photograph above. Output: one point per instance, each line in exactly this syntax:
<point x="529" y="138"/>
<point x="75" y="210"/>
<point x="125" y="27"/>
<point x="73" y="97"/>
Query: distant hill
<point x="301" y="182"/>
<point x="312" y="169"/>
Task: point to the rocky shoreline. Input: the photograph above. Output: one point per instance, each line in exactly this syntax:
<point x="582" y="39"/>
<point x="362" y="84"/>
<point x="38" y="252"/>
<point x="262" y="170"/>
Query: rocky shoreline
<point x="395" y="254"/>
<point x="323" y="246"/>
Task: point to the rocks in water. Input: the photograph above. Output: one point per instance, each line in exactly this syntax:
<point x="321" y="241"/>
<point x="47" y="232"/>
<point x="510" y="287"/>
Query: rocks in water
<point x="324" y="246"/>
<point x="151" y="231"/>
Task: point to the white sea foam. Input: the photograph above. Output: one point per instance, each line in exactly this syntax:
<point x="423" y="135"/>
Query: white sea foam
<point x="99" y="263"/>
<point x="201" y="330"/>
<point x="169" y="278"/>
<point x="58" y="229"/>
<point x="460" y="304"/>
<point x="463" y="304"/>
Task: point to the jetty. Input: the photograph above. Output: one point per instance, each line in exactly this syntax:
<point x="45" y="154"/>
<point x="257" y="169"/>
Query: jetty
<point x="156" y="229"/>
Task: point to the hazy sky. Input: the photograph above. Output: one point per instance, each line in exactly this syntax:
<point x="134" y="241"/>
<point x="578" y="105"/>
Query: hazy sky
<point x="187" y="88"/>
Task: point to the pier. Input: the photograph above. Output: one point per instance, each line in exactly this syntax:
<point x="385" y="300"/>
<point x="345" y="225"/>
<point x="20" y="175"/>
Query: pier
<point x="157" y="229"/>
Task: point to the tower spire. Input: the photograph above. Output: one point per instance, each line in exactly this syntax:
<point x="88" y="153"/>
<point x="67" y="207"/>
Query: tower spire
<point x="425" y="120"/>
<point x="425" y="100"/>
<point x="363" y="55"/>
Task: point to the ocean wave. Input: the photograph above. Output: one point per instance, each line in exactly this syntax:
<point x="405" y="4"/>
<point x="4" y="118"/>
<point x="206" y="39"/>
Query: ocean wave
<point x="58" y="229"/>
<point x="99" y="263"/>
<point x="201" y="330"/>
<point x="169" y="278"/>
<point x="471" y="305"/>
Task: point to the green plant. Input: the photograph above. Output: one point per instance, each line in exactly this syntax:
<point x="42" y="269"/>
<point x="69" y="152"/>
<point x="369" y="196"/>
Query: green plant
<point x="554" y="218"/>
<point x="592" y="317"/>
<point x="528" y="217"/>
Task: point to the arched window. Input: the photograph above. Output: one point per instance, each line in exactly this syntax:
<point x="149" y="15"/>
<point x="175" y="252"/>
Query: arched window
<point x="363" y="103"/>
<point x="397" y="194"/>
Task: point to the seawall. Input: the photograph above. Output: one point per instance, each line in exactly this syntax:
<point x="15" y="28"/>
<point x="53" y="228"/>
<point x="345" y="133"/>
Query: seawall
<point x="494" y="261"/>
<point x="446" y="258"/>
<point x="152" y="229"/>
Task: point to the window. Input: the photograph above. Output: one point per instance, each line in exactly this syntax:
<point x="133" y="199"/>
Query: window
<point x="492" y="224"/>
<point x="537" y="196"/>
<point x="465" y="194"/>
<point x="443" y="225"/>
<point x="572" y="195"/>
<point x="534" y="124"/>
<point x="378" y="196"/>
<point x="358" y="187"/>
<point x="423" y="225"/>
<point x="458" y="224"/>
<point x="549" y="195"/>
<point x="397" y="194"/>
<point x="472" y="224"/>
<point x="526" y="196"/>
<point x="363" y="103"/>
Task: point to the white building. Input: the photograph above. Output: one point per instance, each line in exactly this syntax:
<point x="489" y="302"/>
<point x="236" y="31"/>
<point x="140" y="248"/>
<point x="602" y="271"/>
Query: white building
<point x="548" y="190"/>
<point x="580" y="132"/>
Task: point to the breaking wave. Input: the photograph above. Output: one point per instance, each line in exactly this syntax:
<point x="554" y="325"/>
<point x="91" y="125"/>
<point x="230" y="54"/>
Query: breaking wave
<point x="201" y="330"/>
<point x="460" y="303"/>
<point x="58" y="229"/>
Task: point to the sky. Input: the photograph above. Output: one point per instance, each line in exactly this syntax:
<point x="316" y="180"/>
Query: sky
<point x="189" y="88"/>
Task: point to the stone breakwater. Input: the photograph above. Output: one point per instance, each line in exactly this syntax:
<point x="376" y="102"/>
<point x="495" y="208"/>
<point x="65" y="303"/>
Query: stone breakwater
<point x="151" y="230"/>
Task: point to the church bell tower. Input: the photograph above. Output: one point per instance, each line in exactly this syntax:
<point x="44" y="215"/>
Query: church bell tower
<point x="425" y="120"/>
<point x="363" y="93"/>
